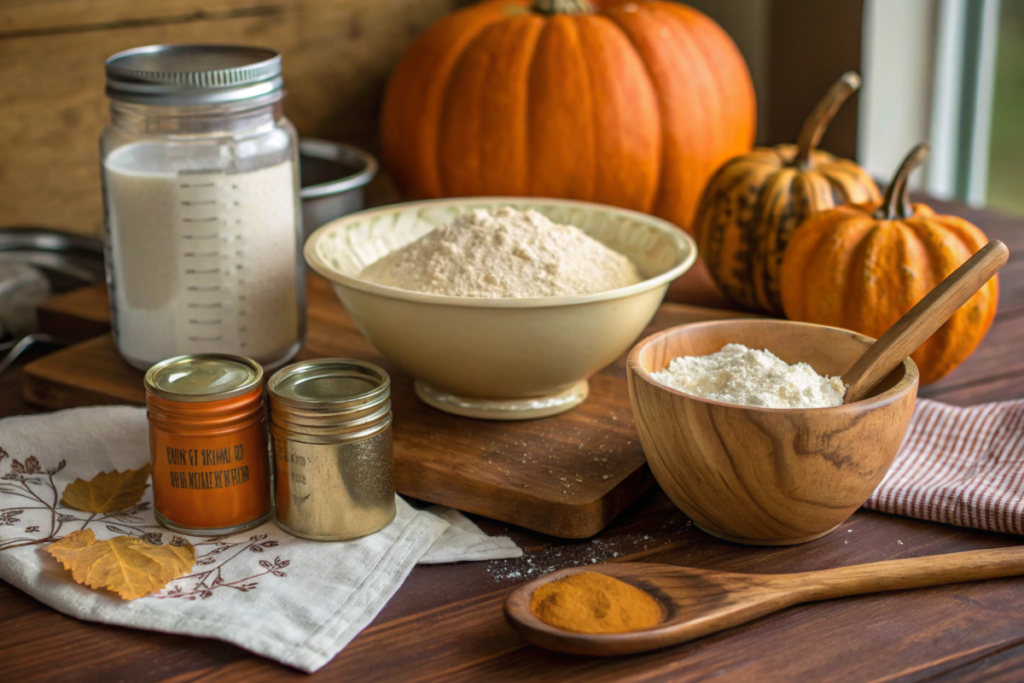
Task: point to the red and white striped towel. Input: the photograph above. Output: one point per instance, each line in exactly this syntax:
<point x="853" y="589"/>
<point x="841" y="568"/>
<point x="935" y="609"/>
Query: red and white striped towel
<point x="961" y="466"/>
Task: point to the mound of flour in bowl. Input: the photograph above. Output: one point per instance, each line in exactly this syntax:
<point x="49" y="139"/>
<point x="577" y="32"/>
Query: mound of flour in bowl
<point x="507" y="254"/>
<point x="750" y="377"/>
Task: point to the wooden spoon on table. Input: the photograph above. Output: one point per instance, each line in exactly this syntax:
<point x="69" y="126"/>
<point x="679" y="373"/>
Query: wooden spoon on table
<point x="698" y="602"/>
<point x="921" y="321"/>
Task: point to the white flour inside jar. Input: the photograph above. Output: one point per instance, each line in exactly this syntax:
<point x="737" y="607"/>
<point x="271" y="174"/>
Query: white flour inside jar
<point x="750" y="377"/>
<point x="205" y="261"/>
<point x="507" y="254"/>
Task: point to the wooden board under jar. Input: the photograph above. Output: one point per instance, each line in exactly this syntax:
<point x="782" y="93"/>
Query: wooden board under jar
<point x="567" y="475"/>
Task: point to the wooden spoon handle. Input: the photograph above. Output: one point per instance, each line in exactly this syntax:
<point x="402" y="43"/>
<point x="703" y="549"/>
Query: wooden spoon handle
<point x="934" y="570"/>
<point x="914" y="328"/>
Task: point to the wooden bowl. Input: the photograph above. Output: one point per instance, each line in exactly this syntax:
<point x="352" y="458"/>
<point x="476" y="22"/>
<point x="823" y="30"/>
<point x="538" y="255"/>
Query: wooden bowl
<point x="765" y="476"/>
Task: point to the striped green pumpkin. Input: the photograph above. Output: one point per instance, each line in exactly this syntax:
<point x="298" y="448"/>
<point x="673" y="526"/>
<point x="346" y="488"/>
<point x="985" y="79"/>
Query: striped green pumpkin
<point x="754" y="203"/>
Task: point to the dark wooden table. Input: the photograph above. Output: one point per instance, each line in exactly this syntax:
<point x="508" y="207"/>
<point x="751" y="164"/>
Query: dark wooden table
<point x="446" y="622"/>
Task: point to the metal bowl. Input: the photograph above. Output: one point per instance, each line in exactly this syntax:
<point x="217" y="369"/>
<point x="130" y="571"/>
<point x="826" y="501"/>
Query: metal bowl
<point x="69" y="261"/>
<point x="333" y="178"/>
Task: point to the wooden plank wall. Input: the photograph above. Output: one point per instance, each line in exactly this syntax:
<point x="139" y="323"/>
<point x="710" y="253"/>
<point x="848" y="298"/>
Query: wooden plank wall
<point x="337" y="54"/>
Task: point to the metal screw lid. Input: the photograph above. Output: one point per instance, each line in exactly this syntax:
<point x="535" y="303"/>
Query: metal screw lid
<point x="330" y="394"/>
<point x="330" y="384"/>
<point x="203" y="377"/>
<point x="179" y="75"/>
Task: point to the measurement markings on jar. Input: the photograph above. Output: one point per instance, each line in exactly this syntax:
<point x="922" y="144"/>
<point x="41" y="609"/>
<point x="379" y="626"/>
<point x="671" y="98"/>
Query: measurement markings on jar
<point x="241" y="316"/>
<point x="202" y="203"/>
<point x="215" y="250"/>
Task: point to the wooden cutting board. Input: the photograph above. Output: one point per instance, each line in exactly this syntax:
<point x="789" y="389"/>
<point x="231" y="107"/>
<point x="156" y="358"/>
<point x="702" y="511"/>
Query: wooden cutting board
<point x="567" y="475"/>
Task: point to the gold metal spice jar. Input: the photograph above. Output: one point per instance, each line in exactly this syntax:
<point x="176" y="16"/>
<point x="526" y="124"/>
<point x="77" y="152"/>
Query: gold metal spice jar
<point x="330" y="427"/>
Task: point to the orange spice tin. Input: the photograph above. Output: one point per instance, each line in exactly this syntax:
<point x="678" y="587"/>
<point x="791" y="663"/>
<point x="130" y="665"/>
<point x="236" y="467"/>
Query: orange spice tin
<point x="208" y="444"/>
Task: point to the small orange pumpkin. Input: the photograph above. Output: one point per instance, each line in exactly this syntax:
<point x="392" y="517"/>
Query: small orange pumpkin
<point x="633" y="104"/>
<point x="863" y="267"/>
<point x="752" y="205"/>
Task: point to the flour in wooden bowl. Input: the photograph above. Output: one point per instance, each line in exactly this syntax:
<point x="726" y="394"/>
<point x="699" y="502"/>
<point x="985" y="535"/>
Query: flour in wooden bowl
<point x="508" y="254"/>
<point x="750" y="377"/>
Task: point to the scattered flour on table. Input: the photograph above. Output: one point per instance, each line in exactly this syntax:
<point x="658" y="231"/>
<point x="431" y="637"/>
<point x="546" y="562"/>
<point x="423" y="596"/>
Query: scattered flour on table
<point x="616" y="545"/>
<point x="750" y="377"/>
<point x="507" y="254"/>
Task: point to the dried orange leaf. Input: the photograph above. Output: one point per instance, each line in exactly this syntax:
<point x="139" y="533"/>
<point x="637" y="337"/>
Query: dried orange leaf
<point x="107" y="491"/>
<point x="125" y="565"/>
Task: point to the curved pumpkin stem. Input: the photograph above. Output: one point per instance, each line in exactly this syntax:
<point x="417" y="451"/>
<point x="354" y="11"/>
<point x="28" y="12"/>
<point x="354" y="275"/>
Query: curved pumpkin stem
<point x="551" y="7"/>
<point x="896" y="204"/>
<point x="817" y="122"/>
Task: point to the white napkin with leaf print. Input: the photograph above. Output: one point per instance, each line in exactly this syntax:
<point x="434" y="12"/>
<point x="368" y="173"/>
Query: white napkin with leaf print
<point x="297" y="601"/>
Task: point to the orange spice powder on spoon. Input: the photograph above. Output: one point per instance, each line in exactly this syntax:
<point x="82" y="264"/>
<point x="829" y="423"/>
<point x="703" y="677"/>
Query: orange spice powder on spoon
<point x="589" y="602"/>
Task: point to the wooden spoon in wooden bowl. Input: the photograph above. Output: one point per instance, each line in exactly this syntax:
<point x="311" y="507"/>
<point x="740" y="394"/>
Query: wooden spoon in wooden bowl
<point x="698" y="602"/>
<point x="921" y="321"/>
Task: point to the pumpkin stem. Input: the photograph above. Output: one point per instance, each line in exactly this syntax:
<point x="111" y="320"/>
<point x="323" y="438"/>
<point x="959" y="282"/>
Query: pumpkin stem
<point x="552" y="7"/>
<point x="817" y="122"/>
<point x="896" y="204"/>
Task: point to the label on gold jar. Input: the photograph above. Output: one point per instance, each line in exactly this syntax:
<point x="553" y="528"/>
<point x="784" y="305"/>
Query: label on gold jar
<point x="333" y="491"/>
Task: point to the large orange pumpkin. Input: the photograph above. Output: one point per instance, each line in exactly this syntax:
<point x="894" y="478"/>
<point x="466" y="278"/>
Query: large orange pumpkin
<point x="752" y="205"/>
<point x="633" y="104"/>
<point x="863" y="267"/>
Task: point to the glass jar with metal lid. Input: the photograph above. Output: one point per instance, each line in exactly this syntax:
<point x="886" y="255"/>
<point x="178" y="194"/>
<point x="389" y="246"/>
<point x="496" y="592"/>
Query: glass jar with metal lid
<point x="330" y="429"/>
<point x="207" y="436"/>
<point x="203" y="221"/>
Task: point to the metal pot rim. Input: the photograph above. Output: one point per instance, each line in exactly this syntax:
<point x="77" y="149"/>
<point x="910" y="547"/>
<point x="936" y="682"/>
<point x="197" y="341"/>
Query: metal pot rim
<point x="340" y="152"/>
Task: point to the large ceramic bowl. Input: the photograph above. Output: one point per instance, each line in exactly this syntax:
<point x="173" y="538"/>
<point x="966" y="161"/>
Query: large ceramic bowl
<point x="767" y="476"/>
<point x="499" y="358"/>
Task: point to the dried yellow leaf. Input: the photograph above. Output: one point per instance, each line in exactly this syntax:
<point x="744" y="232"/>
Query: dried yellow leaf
<point x="107" y="491"/>
<point x="125" y="565"/>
